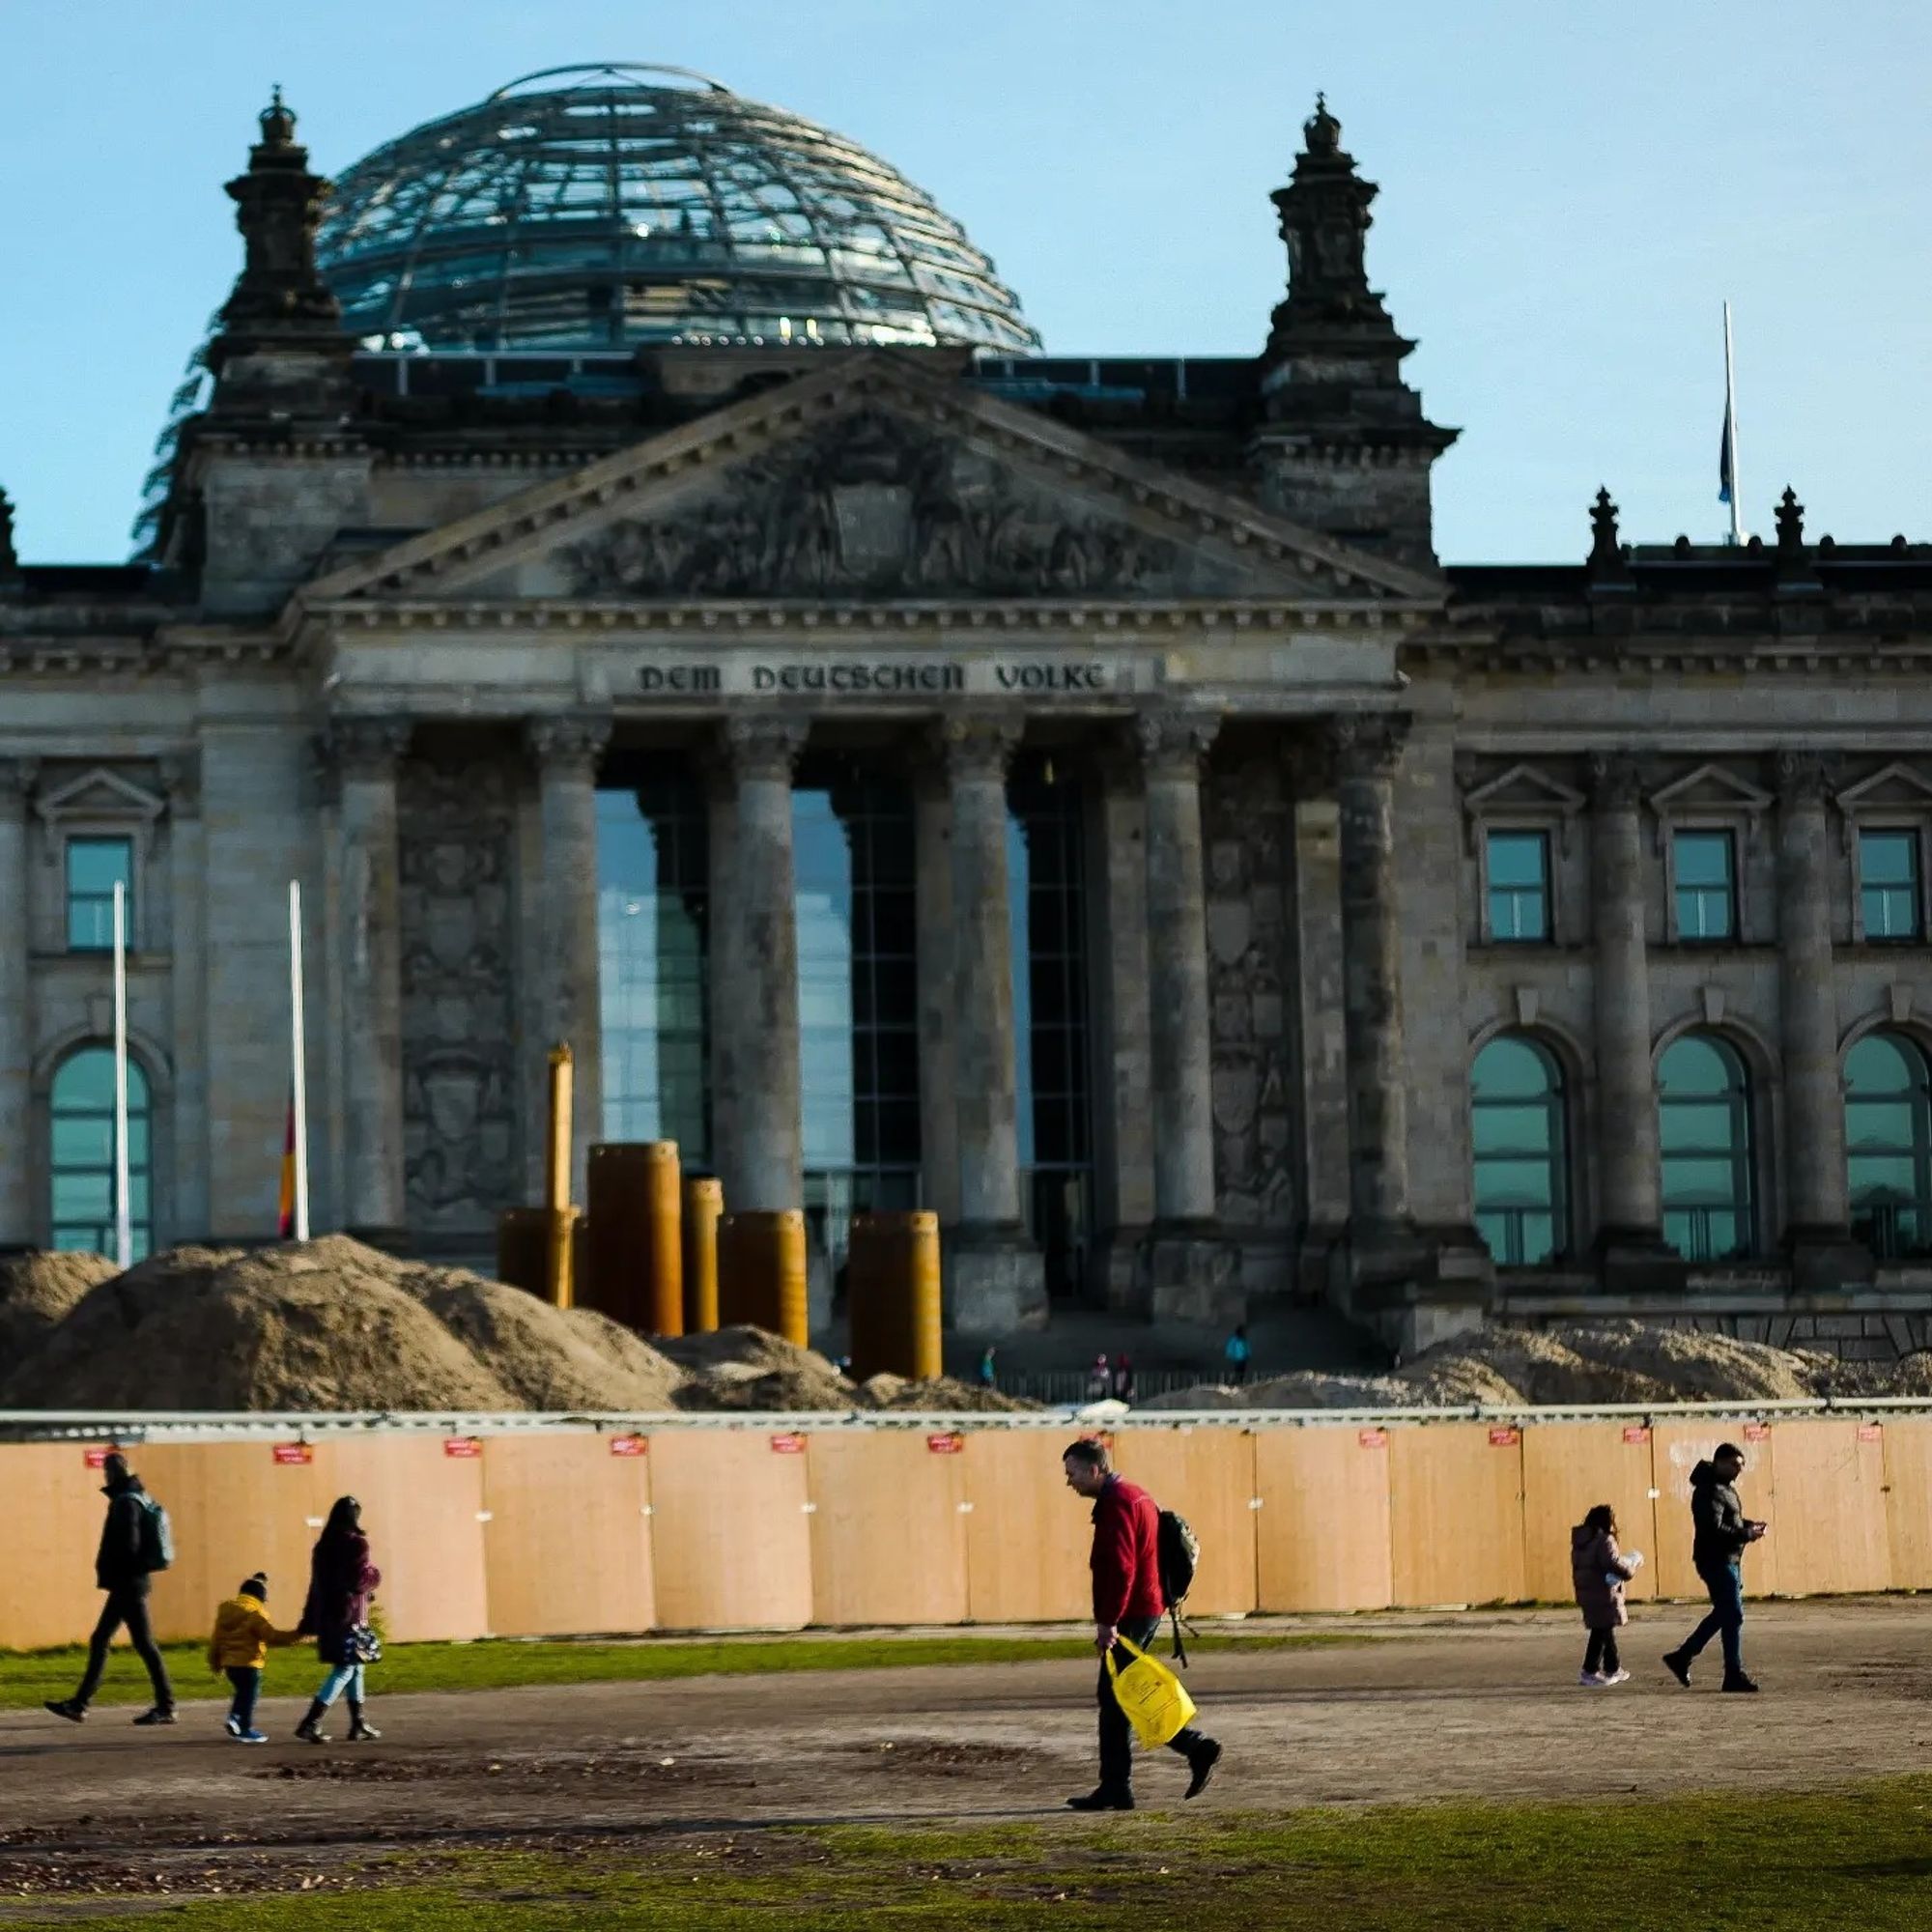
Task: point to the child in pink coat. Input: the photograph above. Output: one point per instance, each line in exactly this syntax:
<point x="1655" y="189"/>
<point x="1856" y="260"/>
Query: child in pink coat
<point x="1599" y="1571"/>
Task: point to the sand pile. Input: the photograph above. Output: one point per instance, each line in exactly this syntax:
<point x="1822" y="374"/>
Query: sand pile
<point x="942" y="1395"/>
<point x="744" y="1367"/>
<point x="36" y="1293"/>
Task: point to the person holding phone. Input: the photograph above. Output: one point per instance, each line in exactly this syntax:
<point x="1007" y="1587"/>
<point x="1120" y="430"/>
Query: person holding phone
<point x="1722" y="1533"/>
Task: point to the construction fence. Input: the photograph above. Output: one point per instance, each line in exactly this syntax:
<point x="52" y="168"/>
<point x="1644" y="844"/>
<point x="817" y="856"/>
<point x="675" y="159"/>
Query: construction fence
<point x="534" y="1526"/>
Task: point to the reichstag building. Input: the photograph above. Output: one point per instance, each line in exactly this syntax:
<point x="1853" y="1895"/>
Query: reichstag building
<point x="624" y="550"/>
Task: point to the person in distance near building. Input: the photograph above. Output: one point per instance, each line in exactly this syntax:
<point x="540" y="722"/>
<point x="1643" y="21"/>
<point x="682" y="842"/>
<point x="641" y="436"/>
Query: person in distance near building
<point x="1722" y="1534"/>
<point x="1127" y="1603"/>
<point x="134" y="1543"/>
<point x="1598" y="1570"/>
<point x="239" y="1647"/>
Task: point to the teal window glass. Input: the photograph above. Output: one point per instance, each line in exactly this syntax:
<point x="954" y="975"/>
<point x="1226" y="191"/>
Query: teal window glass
<point x="1888" y="1145"/>
<point x="1517" y="865"/>
<point x="653" y="950"/>
<point x="1520" y="1132"/>
<point x="94" y="866"/>
<point x="1707" y="884"/>
<point x="1888" y="885"/>
<point x="81" y="1155"/>
<point x="1704" y="1122"/>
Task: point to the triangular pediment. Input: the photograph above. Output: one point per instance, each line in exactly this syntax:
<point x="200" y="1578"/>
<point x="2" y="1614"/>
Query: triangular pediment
<point x="1523" y="788"/>
<point x="1897" y="788"/>
<point x="874" y="479"/>
<point x="99" y="793"/>
<point x="1710" y="787"/>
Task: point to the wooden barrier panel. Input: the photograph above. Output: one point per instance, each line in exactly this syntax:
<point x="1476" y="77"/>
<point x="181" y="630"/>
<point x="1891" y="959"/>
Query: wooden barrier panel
<point x="1829" y="1489"/>
<point x="53" y="1515"/>
<point x="1456" y="1512"/>
<point x="888" y="1529"/>
<point x="1676" y="1449"/>
<point x="1568" y="1468"/>
<point x="1322" y="1530"/>
<point x="567" y="1549"/>
<point x="730" y="1546"/>
<point x="1209" y="1476"/>
<point x="1908" y="1502"/>
<point x="1028" y="1536"/>
<point x="422" y="1508"/>
<point x="235" y="1510"/>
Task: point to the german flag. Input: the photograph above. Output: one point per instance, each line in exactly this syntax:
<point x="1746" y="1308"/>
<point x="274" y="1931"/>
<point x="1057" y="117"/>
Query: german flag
<point x="287" y="1199"/>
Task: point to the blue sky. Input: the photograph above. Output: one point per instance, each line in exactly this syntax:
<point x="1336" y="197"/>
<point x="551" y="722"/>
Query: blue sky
<point x="1569" y="193"/>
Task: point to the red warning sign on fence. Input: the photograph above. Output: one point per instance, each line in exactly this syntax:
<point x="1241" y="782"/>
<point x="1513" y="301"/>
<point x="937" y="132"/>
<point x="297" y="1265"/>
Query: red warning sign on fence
<point x="945" y="1445"/>
<point x="1372" y="1439"/>
<point x="1505" y="1437"/>
<point x="788" y="1445"/>
<point x="1871" y="1431"/>
<point x="1757" y="1432"/>
<point x="295" y="1453"/>
<point x="1636" y="1432"/>
<point x="462" y="1448"/>
<point x="627" y="1445"/>
<point x="97" y="1458"/>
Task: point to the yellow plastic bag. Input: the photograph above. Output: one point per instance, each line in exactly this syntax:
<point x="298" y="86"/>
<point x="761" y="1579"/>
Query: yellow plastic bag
<point x="1155" y="1699"/>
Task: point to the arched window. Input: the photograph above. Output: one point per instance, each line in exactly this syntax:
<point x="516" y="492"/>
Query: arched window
<point x="1889" y="1144"/>
<point x="81" y="1157"/>
<point x="1521" y="1151"/>
<point x="1709" y="1195"/>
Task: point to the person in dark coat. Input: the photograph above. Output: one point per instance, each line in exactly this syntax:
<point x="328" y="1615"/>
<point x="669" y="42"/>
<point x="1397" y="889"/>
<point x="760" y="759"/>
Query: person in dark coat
<point x="1598" y="1569"/>
<point x="1722" y="1532"/>
<point x="341" y="1582"/>
<point x="1127" y="1602"/>
<point x="120" y="1568"/>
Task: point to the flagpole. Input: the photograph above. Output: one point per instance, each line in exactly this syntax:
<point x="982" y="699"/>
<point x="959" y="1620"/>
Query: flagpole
<point x="1731" y="430"/>
<point x="124" y="1218"/>
<point x="298" y="1059"/>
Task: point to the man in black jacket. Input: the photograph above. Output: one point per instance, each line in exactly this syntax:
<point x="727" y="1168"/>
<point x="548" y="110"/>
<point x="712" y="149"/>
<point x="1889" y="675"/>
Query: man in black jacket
<point x="121" y="1569"/>
<point x="1722" y="1534"/>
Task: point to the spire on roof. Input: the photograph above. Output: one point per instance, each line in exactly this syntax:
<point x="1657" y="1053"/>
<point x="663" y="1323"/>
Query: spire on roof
<point x="10" y="558"/>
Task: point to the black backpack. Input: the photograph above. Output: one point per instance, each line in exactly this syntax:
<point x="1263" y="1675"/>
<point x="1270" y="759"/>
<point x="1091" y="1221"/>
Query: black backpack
<point x="1177" y="1551"/>
<point x="157" y="1536"/>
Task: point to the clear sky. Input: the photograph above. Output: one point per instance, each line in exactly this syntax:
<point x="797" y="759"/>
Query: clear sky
<point x="1569" y="193"/>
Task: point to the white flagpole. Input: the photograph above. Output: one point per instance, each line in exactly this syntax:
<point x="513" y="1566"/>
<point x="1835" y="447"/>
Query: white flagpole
<point x="1731" y="429"/>
<point x="298" y="1059"/>
<point x="124" y="1218"/>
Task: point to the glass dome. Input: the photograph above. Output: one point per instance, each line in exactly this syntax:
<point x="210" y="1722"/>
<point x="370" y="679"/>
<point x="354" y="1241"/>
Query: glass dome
<point x="599" y="207"/>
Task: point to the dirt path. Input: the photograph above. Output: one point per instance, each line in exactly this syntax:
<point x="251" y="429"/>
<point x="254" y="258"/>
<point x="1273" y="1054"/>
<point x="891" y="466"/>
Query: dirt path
<point x="1473" y="1705"/>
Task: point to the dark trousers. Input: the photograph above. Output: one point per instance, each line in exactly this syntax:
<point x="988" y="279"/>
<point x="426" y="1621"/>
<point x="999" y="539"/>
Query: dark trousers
<point x="128" y="1604"/>
<point x="1117" y="1735"/>
<point x="1727" y="1585"/>
<point x="247" y="1682"/>
<point x="1602" y="1653"/>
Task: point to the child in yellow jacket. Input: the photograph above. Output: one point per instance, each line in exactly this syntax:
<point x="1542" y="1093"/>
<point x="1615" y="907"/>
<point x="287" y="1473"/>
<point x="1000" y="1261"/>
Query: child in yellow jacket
<point x="240" y="1646"/>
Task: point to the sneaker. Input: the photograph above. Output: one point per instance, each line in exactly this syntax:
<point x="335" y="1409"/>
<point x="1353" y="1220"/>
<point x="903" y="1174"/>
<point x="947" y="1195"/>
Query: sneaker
<point x="232" y="1724"/>
<point x="1679" y="1666"/>
<point x="65" y="1707"/>
<point x="1102" y="1801"/>
<point x="1202" y="1762"/>
<point x="1615" y="1677"/>
<point x="251" y="1737"/>
<point x="161" y="1714"/>
<point x="1590" y="1680"/>
<point x="1740" y="1683"/>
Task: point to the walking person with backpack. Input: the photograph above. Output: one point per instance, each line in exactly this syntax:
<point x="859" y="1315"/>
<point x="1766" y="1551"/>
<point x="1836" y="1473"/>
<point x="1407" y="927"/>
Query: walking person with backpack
<point x="136" y="1543"/>
<point x="1129" y="1601"/>
<point x="342" y="1580"/>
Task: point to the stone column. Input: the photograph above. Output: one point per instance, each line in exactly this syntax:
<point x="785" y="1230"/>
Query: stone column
<point x="1817" y="1204"/>
<point x="567" y="750"/>
<point x="1629" y="1237"/>
<point x="1367" y="751"/>
<point x="938" y="1089"/>
<point x="20" y="1218"/>
<point x="365" y="752"/>
<point x="187" y="974"/>
<point x="996" y="1277"/>
<point x="754" y="967"/>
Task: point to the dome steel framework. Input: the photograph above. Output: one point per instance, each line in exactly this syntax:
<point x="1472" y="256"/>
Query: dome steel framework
<point x="603" y="206"/>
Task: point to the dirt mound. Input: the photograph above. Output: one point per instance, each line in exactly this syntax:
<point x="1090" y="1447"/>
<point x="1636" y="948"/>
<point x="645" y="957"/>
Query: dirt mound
<point x="36" y="1293"/>
<point x="778" y="1391"/>
<point x="654" y="1376"/>
<point x="318" y="1326"/>
<point x="741" y="1350"/>
<point x="1693" y="1366"/>
<point x="547" y="1360"/>
<point x="945" y="1395"/>
<point x="1510" y="1366"/>
<point x="1304" y="1389"/>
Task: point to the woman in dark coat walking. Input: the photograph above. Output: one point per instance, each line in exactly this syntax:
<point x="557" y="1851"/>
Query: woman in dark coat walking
<point x="341" y="1580"/>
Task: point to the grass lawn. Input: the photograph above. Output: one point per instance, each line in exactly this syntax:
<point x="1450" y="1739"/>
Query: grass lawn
<point x="29" y="1677"/>
<point x="1857" y="1856"/>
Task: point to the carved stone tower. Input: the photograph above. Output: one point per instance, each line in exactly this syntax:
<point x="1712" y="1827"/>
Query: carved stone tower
<point x="1344" y="449"/>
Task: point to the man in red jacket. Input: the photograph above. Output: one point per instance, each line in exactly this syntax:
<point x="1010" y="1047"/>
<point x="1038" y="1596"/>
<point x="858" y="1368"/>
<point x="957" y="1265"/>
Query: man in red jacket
<point x="1127" y="1602"/>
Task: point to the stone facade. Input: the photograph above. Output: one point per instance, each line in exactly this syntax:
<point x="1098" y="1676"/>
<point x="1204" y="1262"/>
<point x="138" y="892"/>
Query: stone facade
<point x="397" y="646"/>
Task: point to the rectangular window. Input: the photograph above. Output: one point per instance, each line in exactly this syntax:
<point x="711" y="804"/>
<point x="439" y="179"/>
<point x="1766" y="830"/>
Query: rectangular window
<point x="1707" y="886"/>
<point x="1519" y="880"/>
<point x="94" y="866"/>
<point x="1888" y="885"/>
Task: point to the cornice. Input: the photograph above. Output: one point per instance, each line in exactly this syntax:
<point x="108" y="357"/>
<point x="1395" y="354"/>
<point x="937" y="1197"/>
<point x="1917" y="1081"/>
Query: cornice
<point x="1682" y="656"/>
